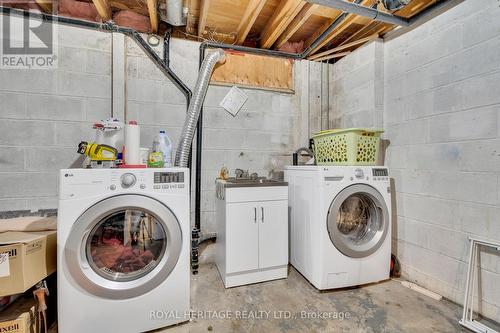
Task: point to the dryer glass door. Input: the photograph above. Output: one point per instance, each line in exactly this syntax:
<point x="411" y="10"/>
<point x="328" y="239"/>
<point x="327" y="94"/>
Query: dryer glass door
<point x="358" y="221"/>
<point x="126" y="245"/>
<point x="123" y="246"/>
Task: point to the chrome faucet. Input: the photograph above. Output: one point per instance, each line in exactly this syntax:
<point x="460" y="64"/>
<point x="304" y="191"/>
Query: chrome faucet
<point x="240" y="173"/>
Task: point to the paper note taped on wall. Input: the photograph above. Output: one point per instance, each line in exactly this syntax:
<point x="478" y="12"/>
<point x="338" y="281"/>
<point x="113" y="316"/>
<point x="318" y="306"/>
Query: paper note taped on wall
<point x="234" y="100"/>
<point x="4" y="264"/>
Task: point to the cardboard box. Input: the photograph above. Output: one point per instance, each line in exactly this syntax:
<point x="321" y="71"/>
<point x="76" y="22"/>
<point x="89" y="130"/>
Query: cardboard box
<point x="25" y="259"/>
<point x="19" y="317"/>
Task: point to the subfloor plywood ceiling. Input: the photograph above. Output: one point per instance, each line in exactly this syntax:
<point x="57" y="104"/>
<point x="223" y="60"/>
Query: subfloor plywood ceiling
<point x="286" y="25"/>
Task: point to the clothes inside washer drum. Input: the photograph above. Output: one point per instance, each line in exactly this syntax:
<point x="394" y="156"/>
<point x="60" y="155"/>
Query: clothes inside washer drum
<point x="354" y="216"/>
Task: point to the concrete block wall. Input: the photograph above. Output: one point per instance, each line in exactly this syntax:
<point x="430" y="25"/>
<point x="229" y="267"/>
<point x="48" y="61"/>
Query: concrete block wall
<point x="44" y="114"/>
<point x="356" y="88"/>
<point x="260" y="138"/>
<point x="441" y="115"/>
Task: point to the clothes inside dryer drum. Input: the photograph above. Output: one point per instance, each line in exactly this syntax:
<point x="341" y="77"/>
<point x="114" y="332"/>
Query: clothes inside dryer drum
<point x="126" y="245"/>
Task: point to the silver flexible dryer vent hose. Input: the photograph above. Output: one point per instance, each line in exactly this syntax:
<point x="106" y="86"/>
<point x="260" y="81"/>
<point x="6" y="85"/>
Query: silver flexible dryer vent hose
<point x="200" y="90"/>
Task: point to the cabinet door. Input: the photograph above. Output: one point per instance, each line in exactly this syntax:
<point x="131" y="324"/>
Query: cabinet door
<point x="273" y="233"/>
<point x="242" y="237"/>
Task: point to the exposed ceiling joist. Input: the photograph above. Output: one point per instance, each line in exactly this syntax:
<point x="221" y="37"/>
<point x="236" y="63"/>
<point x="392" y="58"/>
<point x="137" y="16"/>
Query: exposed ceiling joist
<point x="369" y="12"/>
<point x="251" y="13"/>
<point x="202" y="21"/>
<point x="103" y="9"/>
<point x="296" y="24"/>
<point x="192" y="17"/>
<point x="282" y="17"/>
<point x="348" y="20"/>
<point x="326" y="12"/>
<point x="367" y="30"/>
<point x="333" y="56"/>
<point x="341" y="27"/>
<point x="319" y="31"/>
<point x="153" y="14"/>
<point x="344" y="47"/>
<point x="45" y="5"/>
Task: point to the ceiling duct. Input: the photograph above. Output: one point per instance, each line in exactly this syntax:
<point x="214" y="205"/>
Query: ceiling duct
<point x="174" y="13"/>
<point x="395" y="4"/>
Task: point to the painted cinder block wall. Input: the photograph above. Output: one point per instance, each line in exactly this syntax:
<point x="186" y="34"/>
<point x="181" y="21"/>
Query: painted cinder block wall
<point x="44" y="114"/>
<point x="260" y="138"/>
<point x="440" y="113"/>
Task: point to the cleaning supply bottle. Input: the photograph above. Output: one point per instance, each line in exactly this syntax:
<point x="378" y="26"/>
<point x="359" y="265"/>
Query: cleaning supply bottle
<point x="165" y="146"/>
<point x="155" y="159"/>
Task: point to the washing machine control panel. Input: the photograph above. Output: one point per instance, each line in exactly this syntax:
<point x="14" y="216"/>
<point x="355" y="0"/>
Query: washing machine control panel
<point x="380" y="174"/>
<point x="359" y="174"/>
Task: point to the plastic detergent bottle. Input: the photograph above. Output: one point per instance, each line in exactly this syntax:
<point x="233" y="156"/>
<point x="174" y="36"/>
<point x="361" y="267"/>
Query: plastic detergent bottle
<point x="165" y="146"/>
<point x="155" y="159"/>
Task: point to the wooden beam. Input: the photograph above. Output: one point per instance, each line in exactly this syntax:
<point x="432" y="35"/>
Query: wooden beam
<point x="296" y="24"/>
<point x="350" y="18"/>
<point x="45" y="5"/>
<point x="343" y="47"/>
<point x="341" y="27"/>
<point x="251" y="13"/>
<point x="103" y="9"/>
<point x="192" y="16"/>
<point x="326" y="12"/>
<point x="366" y="31"/>
<point x="333" y="56"/>
<point x="282" y="17"/>
<point x="202" y="21"/>
<point x="257" y="71"/>
<point x="153" y="14"/>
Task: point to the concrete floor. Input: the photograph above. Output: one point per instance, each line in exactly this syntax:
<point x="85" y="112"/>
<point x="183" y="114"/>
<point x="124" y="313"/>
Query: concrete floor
<point x="382" y="307"/>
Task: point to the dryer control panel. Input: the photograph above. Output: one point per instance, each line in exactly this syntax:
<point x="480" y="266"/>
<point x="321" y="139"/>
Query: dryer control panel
<point x="89" y="182"/>
<point x="165" y="180"/>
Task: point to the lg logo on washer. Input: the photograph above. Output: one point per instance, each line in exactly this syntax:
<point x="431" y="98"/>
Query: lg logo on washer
<point x="68" y="175"/>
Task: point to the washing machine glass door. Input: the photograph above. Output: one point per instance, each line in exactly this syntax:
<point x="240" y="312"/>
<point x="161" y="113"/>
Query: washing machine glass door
<point x="123" y="246"/>
<point x="358" y="221"/>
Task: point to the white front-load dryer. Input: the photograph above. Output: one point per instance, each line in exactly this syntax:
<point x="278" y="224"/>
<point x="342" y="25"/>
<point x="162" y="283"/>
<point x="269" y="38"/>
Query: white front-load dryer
<point x="340" y="224"/>
<point x="123" y="249"/>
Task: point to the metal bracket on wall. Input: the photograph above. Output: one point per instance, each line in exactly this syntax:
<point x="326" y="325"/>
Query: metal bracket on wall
<point x="468" y="312"/>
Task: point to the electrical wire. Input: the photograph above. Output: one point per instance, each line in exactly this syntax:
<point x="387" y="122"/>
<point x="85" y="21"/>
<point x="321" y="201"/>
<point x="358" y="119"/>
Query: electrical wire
<point x="212" y="36"/>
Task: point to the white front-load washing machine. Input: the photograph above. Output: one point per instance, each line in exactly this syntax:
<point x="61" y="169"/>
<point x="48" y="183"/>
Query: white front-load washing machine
<point x="340" y="224"/>
<point x="123" y="249"/>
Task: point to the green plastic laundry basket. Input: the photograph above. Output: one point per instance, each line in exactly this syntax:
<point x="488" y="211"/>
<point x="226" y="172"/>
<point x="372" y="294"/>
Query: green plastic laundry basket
<point x="351" y="146"/>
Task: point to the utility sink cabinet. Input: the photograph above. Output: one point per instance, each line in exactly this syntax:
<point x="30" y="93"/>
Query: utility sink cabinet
<point x="252" y="234"/>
